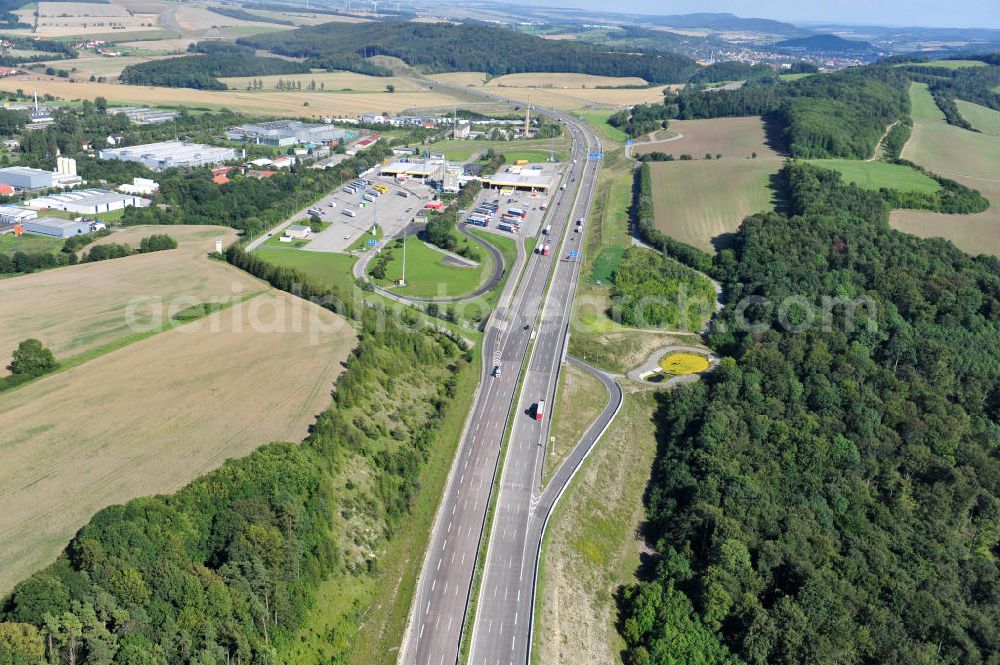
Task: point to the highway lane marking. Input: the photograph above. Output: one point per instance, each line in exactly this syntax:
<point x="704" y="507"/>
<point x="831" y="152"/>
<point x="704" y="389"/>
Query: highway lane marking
<point x="428" y="608"/>
<point x="434" y="584"/>
<point x="422" y="626"/>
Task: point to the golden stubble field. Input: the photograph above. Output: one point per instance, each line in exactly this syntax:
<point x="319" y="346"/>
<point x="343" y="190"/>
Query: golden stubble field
<point x="77" y="308"/>
<point x="264" y="103"/>
<point x="152" y="416"/>
<point x="562" y="91"/>
<point x="700" y="201"/>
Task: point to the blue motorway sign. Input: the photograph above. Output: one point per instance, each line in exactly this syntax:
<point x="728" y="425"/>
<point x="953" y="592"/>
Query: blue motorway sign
<point x="372" y="243"/>
<point x="629" y="142"/>
<point x="574" y="254"/>
<point x="595" y="155"/>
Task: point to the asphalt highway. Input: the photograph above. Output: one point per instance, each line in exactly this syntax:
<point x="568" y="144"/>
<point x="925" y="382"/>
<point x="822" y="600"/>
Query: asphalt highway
<point x="534" y="310"/>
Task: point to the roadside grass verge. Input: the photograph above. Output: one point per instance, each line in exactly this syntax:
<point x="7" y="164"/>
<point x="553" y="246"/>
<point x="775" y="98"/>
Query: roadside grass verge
<point x="591" y="546"/>
<point x="580" y="398"/>
<point x="598" y="119"/>
<point x="324" y="267"/>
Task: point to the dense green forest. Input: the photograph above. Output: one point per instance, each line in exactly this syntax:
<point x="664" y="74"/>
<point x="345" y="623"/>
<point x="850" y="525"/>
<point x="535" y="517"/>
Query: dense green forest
<point x="225" y="570"/>
<point x="653" y="290"/>
<point x="640" y="120"/>
<point x="831" y="494"/>
<point x="730" y="71"/>
<point x="443" y="47"/>
<point x="842" y="114"/>
<point x="202" y="71"/>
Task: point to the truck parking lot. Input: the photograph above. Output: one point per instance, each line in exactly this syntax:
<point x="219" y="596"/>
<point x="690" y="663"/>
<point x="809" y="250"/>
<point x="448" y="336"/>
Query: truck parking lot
<point x="392" y="210"/>
<point x="495" y="204"/>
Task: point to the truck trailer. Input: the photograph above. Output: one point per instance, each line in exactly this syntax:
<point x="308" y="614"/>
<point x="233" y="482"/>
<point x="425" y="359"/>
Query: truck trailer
<point x="540" y="409"/>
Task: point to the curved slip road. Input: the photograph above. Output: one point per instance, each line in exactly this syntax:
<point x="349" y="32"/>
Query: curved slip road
<point x="438" y="612"/>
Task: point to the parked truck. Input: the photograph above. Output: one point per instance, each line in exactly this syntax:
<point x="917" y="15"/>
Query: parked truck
<point x="350" y="213"/>
<point x="505" y="227"/>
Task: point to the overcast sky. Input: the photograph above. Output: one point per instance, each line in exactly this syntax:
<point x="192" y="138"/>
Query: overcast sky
<point x="934" y="13"/>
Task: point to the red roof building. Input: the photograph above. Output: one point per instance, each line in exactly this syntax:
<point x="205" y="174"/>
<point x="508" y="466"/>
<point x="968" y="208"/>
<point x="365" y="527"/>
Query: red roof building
<point x="5" y="189"/>
<point x="220" y="179"/>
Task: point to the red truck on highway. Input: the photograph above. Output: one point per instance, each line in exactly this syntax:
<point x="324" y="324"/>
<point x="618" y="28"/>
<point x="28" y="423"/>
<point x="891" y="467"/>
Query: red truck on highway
<point x="540" y="409"/>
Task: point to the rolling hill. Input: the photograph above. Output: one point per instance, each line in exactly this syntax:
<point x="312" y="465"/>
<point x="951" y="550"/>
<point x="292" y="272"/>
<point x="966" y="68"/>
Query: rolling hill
<point x="826" y="44"/>
<point x="444" y="47"/>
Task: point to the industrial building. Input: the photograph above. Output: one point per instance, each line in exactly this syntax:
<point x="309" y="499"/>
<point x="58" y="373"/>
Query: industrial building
<point x="140" y="187"/>
<point x="282" y="133"/>
<point x="16" y="215"/>
<point x="298" y="231"/>
<point x="145" y="116"/>
<point x="170" y="154"/>
<point x="422" y="170"/>
<point x="55" y="227"/>
<point x="87" y="201"/>
<point x="526" y="179"/>
<point x="24" y="177"/>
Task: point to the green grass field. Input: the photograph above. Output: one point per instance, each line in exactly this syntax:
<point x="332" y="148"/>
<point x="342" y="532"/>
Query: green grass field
<point x="9" y="244"/>
<point x="536" y="149"/>
<point x="598" y="118"/>
<point x="794" y="77"/>
<point x="700" y="200"/>
<point x="922" y="106"/>
<point x="876" y="175"/>
<point x="953" y="64"/>
<point x="324" y="267"/>
<point x="427" y="275"/>
<point x="971" y="158"/>
<point x="982" y="118"/>
<point x="945" y="149"/>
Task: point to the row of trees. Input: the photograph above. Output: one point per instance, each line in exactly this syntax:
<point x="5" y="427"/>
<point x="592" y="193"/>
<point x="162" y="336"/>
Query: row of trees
<point x="466" y="47"/>
<point x="22" y="262"/>
<point x="831" y="493"/>
<point x="154" y="243"/>
<point x="441" y="229"/>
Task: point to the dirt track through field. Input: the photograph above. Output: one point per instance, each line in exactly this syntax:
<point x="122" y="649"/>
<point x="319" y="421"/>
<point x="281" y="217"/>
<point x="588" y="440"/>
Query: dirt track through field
<point x="151" y="417"/>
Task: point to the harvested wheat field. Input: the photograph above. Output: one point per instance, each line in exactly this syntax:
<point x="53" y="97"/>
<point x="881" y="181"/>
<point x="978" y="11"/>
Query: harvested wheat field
<point x="60" y="19"/>
<point x="153" y="416"/>
<point x="283" y="104"/>
<point x="700" y="202"/>
<point x="559" y="81"/>
<point x="99" y="65"/>
<point x="736" y="138"/>
<point x="971" y="158"/>
<point x="77" y="308"/>
<point x="332" y="82"/>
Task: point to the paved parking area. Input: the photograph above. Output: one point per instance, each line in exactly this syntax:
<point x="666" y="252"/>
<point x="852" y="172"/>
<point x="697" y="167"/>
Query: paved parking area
<point x="391" y="211"/>
<point x="530" y="202"/>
